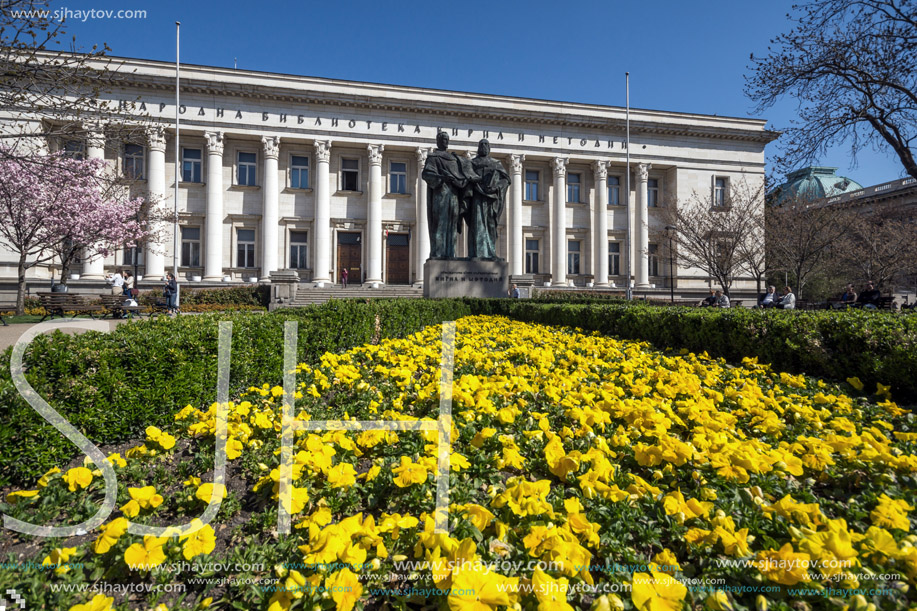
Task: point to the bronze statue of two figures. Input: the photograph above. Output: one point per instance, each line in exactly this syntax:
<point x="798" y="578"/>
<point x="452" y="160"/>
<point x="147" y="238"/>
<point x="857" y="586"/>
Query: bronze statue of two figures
<point x="462" y="190"/>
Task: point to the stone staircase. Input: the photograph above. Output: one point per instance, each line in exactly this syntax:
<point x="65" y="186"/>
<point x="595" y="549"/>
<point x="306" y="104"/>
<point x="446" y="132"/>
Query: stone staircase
<point x="306" y="294"/>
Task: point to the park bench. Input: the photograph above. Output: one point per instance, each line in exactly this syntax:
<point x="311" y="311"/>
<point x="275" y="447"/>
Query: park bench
<point x="57" y="304"/>
<point x="115" y="305"/>
<point x="884" y="303"/>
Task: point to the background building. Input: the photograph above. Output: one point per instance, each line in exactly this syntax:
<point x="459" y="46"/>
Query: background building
<point x="318" y="175"/>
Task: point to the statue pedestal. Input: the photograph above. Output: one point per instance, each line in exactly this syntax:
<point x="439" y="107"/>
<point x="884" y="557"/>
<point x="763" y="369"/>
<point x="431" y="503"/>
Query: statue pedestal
<point x="446" y="278"/>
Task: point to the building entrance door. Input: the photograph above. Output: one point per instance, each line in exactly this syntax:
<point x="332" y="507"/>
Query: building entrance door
<point x="398" y="258"/>
<point x="350" y="257"/>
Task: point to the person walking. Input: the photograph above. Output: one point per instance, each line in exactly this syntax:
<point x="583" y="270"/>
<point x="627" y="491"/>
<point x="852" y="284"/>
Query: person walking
<point x="117" y="283"/>
<point x="171" y="292"/>
<point x="344" y="275"/>
<point x="128" y="283"/>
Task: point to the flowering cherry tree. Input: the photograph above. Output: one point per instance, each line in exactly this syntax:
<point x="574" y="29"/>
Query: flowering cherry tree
<point x="52" y="205"/>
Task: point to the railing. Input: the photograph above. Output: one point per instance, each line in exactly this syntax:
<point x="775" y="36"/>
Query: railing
<point x="894" y="185"/>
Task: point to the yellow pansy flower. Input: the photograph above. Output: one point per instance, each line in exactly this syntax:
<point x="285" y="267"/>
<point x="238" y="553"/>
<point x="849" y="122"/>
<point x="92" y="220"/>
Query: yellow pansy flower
<point x="99" y="602"/>
<point x="409" y="473"/>
<point x="77" y="477"/>
<point x="141" y="498"/>
<point x="656" y="591"/>
<point x="200" y="542"/>
<point x="150" y="554"/>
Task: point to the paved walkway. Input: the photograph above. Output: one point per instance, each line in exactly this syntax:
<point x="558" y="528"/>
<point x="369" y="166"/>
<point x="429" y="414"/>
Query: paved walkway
<point x="9" y="335"/>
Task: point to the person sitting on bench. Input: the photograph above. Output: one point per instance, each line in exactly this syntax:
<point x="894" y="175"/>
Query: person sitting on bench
<point x="869" y="298"/>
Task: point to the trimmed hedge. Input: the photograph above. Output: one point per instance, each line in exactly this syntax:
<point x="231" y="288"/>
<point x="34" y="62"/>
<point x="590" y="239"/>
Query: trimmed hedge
<point x="873" y="346"/>
<point x="111" y="386"/>
<point x="250" y="295"/>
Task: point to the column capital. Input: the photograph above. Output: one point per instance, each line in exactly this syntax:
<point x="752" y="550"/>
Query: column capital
<point x="271" y="146"/>
<point x="156" y="137"/>
<point x="422" y="156"/>
<point x="643" y="171"/>
<point x="214" y="143"/>
<point x="600" y="168"/>
<point x="95" y="133"/>
<point x="516" y="162"/>
<point x="323" y="151"/>
<point x="375" y="153"/>
<point x="560" y="166"/>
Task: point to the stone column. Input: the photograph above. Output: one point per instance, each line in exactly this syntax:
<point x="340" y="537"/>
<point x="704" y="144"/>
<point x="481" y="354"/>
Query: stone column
<point x="270" y="214"/>
<point x="600" y="169"/>
<point x="321" y="273"/>
<point x="514" y="222"/>
<point x="94" y="267"/>
<point x="374" y="216"/>
<point x="559" y="229"/>
<point x="154" y="253"/>
<point x="213" y="221"/>
<point x="641" y="229"/>
<point x="422" y="226"/>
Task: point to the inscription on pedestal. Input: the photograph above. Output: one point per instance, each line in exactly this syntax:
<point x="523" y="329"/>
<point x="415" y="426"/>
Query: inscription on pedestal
<point x="465" y="278"/>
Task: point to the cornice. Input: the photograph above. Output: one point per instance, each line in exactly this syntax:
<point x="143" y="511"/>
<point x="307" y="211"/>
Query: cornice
<point x="158" y="76"/>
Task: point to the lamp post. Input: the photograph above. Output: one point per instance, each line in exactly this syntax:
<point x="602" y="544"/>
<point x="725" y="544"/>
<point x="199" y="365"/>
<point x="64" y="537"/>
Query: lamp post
<point x="670" y="232"/>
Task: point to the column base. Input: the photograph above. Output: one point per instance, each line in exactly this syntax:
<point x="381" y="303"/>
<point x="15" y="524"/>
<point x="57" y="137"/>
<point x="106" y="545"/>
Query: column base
<point x="374" y="284"/>
<point x="85" y="276"/>
<point x="602" y="285"/>
<point x="643" y="285"/>
<point x="213" y="278"/>
<point x="265" y="279"/>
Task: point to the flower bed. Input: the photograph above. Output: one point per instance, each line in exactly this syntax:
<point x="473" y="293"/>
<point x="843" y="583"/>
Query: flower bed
<point x="585" y="472"/>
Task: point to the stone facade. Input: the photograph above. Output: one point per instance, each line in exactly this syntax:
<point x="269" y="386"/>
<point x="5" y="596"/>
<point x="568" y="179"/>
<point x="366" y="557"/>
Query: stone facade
<point x="318" y="175"/>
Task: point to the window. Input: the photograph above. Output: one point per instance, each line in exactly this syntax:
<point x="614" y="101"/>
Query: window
<point x="531" y="256"/>
<point x="133" y="256"/>
<point x="614" y="191"/>
<point x="298" y="250"/>
<point x="573" y="250"/>
<point x="398" y="177"/>
<point x="614" y="258"/>
<point x="573" y="188"/>
<point x="652" y="254"/>
<point x="245" y="248"/>
<point x="191" y="246"/>
<point x="719" y="191"/>
<point x="350" y="174"/>
<point x="652" y="192"/>
<point x="299" y="172"/>
<point x="133" y="161"/>
<point x="246" y="169"/>
<point x="191" y="165"/>
<point x="531" y="186"/>
<point x="74" y="149"/>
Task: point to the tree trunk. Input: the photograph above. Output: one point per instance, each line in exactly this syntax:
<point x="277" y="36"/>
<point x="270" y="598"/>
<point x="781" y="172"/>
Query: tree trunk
<point x="64" y="271"/>
<point x="21" y="288"/>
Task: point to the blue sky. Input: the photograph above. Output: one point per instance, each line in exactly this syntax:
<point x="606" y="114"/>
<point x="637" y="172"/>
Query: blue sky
<point x="682" y="56"/>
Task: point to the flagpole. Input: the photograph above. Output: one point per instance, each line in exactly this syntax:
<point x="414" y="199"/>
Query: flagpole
<point x="627" y="246"/>
<point x="177" y="164"/>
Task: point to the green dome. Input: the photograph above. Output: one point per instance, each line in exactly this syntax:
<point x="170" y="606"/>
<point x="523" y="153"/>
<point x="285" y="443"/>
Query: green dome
<point x="814" y="183"/>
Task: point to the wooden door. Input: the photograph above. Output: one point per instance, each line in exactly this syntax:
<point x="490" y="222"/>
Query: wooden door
<point x="350" y="257"/>
<point x="398" y="259"/>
